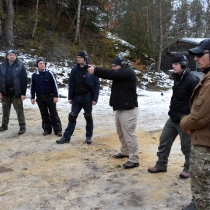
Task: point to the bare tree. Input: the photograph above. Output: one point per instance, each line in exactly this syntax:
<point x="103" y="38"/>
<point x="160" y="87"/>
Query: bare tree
<point x="35" y="25"/>
<point x="55" y="8"/>
<point x="78" y="22"/>
<point x="160" y="35"/>
<point x="9" y="34"/>
<point x="1" y="14"/>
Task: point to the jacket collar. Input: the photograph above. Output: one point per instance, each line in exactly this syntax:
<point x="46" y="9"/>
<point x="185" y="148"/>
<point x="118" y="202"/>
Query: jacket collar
<point x="37" y="71"/>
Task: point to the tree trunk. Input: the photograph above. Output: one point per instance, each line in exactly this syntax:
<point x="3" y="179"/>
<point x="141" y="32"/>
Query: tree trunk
<point x="160" y="37"/>
<point x="55" y="8"/>
<point x="78" y="22"/>
<point x="9" y="34"/>
<point x="147" y="16"/>
<point x="1" y="14"/>
<point x="35" y="25"/>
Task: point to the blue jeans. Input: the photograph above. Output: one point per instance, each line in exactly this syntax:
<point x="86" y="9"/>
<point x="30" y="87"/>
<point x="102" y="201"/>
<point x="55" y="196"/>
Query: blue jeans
<point x="80" y="102"/>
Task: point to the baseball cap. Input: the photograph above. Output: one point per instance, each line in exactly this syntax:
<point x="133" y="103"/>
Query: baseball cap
<point x="203" y="45"/>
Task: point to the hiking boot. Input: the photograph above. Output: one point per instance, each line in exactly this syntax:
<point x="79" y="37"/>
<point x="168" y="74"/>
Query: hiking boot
<point x="62" y="141"/>
<point x="130" y="165"/>
<point x="88" y="140"/>
<point x="155" y="170"/>
<point x="120" y="156"/>
<point x="46" y="133"/>
<point x="185" y="174"/>
<point x="3" y="128"/>
<point x="22" y="130"/>
<point x="59" y="133"/>
<point x="191" y="206"/>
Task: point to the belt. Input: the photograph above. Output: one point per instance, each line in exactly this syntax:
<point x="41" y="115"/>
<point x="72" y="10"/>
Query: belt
<point x="44" y="96"/>
<point x="129" y="108"/>
<point x="83" y="94"/>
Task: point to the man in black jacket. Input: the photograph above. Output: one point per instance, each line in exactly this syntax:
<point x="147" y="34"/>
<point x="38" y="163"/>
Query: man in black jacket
<point x="83" y="94"/>
<point x="13" y="85"/>
<point x="44" y="84"/>
<point x="123" y="99"/>
<point x="184" y="85"/>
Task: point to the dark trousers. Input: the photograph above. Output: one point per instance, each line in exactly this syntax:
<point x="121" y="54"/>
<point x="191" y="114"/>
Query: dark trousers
<point x="80" y="102"/>
<point x="7" y="101"/>
<point x="170" y="131"/>
<point x="50" y="118"/>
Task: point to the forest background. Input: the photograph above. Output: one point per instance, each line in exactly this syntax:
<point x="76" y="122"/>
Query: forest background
<point x="57" y="29"/>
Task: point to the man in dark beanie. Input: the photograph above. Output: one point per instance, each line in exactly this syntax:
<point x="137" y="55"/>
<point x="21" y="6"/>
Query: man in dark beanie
<point x="184" y="84"/>
<point x="123" y="99"/>
<point x="13" y="85"/>
<point x="83" y="94"/>
<point x="44" y="85"/>
<point x="197" y="123"/>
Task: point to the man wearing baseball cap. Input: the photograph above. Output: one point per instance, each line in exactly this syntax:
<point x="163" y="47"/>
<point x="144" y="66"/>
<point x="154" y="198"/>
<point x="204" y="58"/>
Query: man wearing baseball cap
<point x="123" y="100"/>
<point x="13" y="85"/>
<point x="197" y="123"/>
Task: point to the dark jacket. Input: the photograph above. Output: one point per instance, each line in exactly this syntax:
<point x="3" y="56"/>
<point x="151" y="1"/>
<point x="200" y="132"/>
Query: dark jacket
<point x="13" y="79"/>
<point x="43" y="83"/>
<point x="183" y="88"/>
<point x="91" y="80"/>
<point x="123" y="91"/>
<point x="199" y="118"/>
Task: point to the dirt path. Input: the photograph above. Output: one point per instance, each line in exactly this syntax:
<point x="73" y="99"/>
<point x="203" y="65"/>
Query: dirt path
<point x="36" y="173"/>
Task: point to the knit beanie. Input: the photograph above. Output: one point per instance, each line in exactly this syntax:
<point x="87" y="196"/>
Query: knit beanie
<point x="11" y="51"/>
<point x="39" y="59"/>
<point x="83" y="54"/>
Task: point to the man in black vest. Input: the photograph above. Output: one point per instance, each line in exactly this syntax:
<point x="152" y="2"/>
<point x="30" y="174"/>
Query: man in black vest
<point x="44" y="85"/>
<point x="13" y="85"/>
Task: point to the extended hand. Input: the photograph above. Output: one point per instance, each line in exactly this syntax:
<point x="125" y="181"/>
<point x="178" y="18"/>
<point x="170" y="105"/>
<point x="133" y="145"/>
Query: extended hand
<point x="1" y="96"/>
<point x="70" y="101"/>
<point x="91" y="69"/>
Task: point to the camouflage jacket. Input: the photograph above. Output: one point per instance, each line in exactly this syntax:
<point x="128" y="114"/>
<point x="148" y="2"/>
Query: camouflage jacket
<point x="199" y="118"/>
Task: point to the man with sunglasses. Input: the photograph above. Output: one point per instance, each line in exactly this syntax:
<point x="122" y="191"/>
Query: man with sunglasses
<point x="197" y="124"/>
<point x="123" y="99"/>
<point x="13" y="85"/>
<point x="184" y="84"/>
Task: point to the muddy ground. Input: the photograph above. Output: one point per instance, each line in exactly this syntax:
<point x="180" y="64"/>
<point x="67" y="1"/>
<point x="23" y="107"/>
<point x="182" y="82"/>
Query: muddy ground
<point x="36" y="173"/>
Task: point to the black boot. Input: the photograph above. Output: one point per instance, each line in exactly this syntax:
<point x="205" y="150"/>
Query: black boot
<point x="130" y="165"/>
<point x="22" y="130"/>
<point x="3" y="128"/>
<point x="88" y="140"/>
<point x="62" y="141"/>
<point x="47" y="132"/>
<point x="191" y="206"/>
<point x="59" y="133"/>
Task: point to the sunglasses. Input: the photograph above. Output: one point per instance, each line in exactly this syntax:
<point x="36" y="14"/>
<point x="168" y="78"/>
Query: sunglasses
<point x="201" y="54"/>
